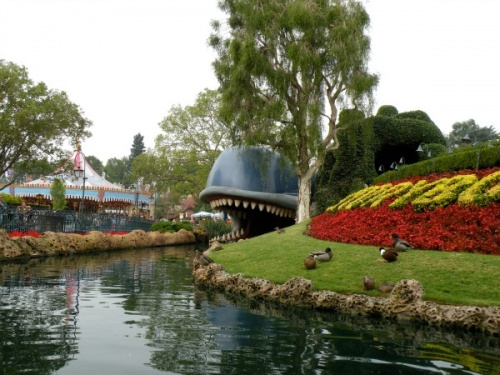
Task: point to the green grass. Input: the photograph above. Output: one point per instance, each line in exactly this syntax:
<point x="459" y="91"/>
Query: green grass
<point x="448" y="278"/>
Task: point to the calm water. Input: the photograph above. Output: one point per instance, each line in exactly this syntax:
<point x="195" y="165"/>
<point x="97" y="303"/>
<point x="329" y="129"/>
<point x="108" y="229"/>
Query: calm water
<point x="138" y="312"/>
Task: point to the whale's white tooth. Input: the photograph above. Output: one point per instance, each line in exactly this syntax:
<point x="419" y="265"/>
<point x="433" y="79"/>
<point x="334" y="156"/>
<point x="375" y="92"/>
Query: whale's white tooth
<point x="229" y="201"/>
<point x="242" y="231"/>
<point x="253" y="204"/>
<point x="245" y="204"/>
<point x="273" y="209"/>
<point x="268" y="208"/>
<point x="224" y="201"/>
<point x="212" y="204"/>
<point x="261" y="206"/>
<point x="237" y="203"/>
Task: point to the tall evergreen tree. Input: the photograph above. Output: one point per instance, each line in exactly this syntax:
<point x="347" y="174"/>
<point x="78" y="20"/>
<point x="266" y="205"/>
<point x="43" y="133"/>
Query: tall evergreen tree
<point x="137" y="146"/>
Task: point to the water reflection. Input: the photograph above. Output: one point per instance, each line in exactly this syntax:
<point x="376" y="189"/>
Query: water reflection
<point x="138" y="311"/>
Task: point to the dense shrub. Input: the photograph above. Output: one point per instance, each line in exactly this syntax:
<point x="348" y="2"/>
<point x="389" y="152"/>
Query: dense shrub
<point x="387" y="110"/>
<point x="169" y="226"/>
<point x="215" y="228"/>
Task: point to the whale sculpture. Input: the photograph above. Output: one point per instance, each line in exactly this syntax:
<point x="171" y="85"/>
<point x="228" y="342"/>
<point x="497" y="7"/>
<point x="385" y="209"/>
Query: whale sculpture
<point x="257" y="187"/>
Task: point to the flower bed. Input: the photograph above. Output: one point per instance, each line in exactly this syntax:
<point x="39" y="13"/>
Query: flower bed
<point x="448" y="212"/>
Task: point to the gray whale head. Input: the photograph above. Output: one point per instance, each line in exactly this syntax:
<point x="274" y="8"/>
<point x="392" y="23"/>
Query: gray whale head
<point x="257" y="187"/>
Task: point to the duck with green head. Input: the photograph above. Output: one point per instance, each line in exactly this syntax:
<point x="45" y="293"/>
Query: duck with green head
<point x="322" y="256"/>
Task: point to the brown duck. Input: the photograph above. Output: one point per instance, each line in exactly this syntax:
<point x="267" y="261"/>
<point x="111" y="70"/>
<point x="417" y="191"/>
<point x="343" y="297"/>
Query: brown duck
<point x="310" y="263"/>
<point x="368" y="283"/>
<point x="203" y="259"/>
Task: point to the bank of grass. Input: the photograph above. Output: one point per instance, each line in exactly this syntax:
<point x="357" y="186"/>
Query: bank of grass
<point x="448" y="278"/>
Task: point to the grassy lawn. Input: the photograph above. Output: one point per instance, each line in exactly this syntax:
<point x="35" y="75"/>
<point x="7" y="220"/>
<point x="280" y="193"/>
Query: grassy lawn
<point x="449" y="278"/>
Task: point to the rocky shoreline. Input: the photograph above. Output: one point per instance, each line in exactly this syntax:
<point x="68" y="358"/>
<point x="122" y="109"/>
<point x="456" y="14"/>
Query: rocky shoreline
<point x="404" y="303"/>
<point x="52" y="243"/>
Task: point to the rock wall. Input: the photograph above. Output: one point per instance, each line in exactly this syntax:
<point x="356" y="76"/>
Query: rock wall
<point x="51" y="243"/>
<point x="404" y="303"/>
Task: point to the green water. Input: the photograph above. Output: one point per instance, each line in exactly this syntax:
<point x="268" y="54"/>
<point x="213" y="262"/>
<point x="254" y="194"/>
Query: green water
<point x="138" y="312"/>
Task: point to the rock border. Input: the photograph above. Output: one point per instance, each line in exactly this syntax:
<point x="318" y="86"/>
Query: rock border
<point x="52" y="243"/>
<point x="404" y="303"/>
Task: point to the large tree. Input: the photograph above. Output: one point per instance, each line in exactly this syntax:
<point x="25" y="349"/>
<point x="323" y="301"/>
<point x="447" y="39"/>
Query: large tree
<point x="286" y="69"/>
<point x="35" y="123"/>
<point x="473" y="131"/>
<point x="117" y="169"/>
<point x="192" y="137"/>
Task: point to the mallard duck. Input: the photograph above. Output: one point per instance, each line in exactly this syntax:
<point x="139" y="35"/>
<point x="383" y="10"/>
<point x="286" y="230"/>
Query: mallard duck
<point x="310" y="263"/>
<point x="202" y="258"/>
<point x="400" y="244"/>
<point x="390" y="255"/>
<point x="368" y="283"/>
<point x="323" y="256"/>
<point x="279" y="230"/>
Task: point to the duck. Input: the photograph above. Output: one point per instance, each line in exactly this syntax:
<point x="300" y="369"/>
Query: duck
<point x="368" y="283"/>
<point x="203" y="259"/>
<point x="386" y="287"/>
<point x="400" y="244"/>
<point x="322" y="256"/>
<point x="310" y="263"/>
<point x="390" y="255"/>
<point x="279" y="230"/>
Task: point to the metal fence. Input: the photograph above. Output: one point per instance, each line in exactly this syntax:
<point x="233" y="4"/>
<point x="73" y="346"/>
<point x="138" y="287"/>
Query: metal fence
<point x="14" y="219"/>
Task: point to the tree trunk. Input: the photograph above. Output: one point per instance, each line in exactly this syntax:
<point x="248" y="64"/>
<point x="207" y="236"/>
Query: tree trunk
<point x="304" y="203"/>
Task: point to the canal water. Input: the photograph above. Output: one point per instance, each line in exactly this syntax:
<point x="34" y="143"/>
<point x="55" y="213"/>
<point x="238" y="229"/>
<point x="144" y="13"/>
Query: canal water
<point x="138" y="312"/>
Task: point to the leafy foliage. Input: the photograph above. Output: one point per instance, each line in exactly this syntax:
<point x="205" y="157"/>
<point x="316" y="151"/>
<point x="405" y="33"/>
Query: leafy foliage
<point x="473" y="131"/>
<point x="192" y="138"/>
<point x="117" y="169"/>
<point x="351" y="166"/>
<point x="479" y="158"/>
<point x="215" y="228"/>
<point x="169" y="226"/>
<point x="400" y="135"/>
<point x="387" y="110"/>
<point x="58" y="192"/>
<point x="35" y="122"/>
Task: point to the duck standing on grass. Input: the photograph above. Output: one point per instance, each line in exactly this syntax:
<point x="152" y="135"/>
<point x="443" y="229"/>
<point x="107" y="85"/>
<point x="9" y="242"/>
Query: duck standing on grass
<point x="389" y="255"/>
<point x="310" y="263"/>
<point x="322" y="256"/>
<point x="368" y="283"/>
<point x="203" y="259"/>
<point x="400" y="244"/>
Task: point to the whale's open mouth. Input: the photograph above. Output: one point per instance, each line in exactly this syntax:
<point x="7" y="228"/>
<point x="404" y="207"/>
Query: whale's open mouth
<point x="251" y="213"/>
<point x="256" y="187"/>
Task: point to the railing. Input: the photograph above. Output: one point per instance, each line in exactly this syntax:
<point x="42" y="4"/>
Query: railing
<point x="14" y="219"/>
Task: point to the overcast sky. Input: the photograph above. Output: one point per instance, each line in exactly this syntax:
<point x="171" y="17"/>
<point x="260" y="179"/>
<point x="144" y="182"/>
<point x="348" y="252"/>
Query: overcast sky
<point x="127" y="62"/>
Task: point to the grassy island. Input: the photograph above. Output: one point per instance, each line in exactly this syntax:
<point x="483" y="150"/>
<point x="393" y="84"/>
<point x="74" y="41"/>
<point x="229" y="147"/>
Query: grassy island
<point x="455" y="278"/>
